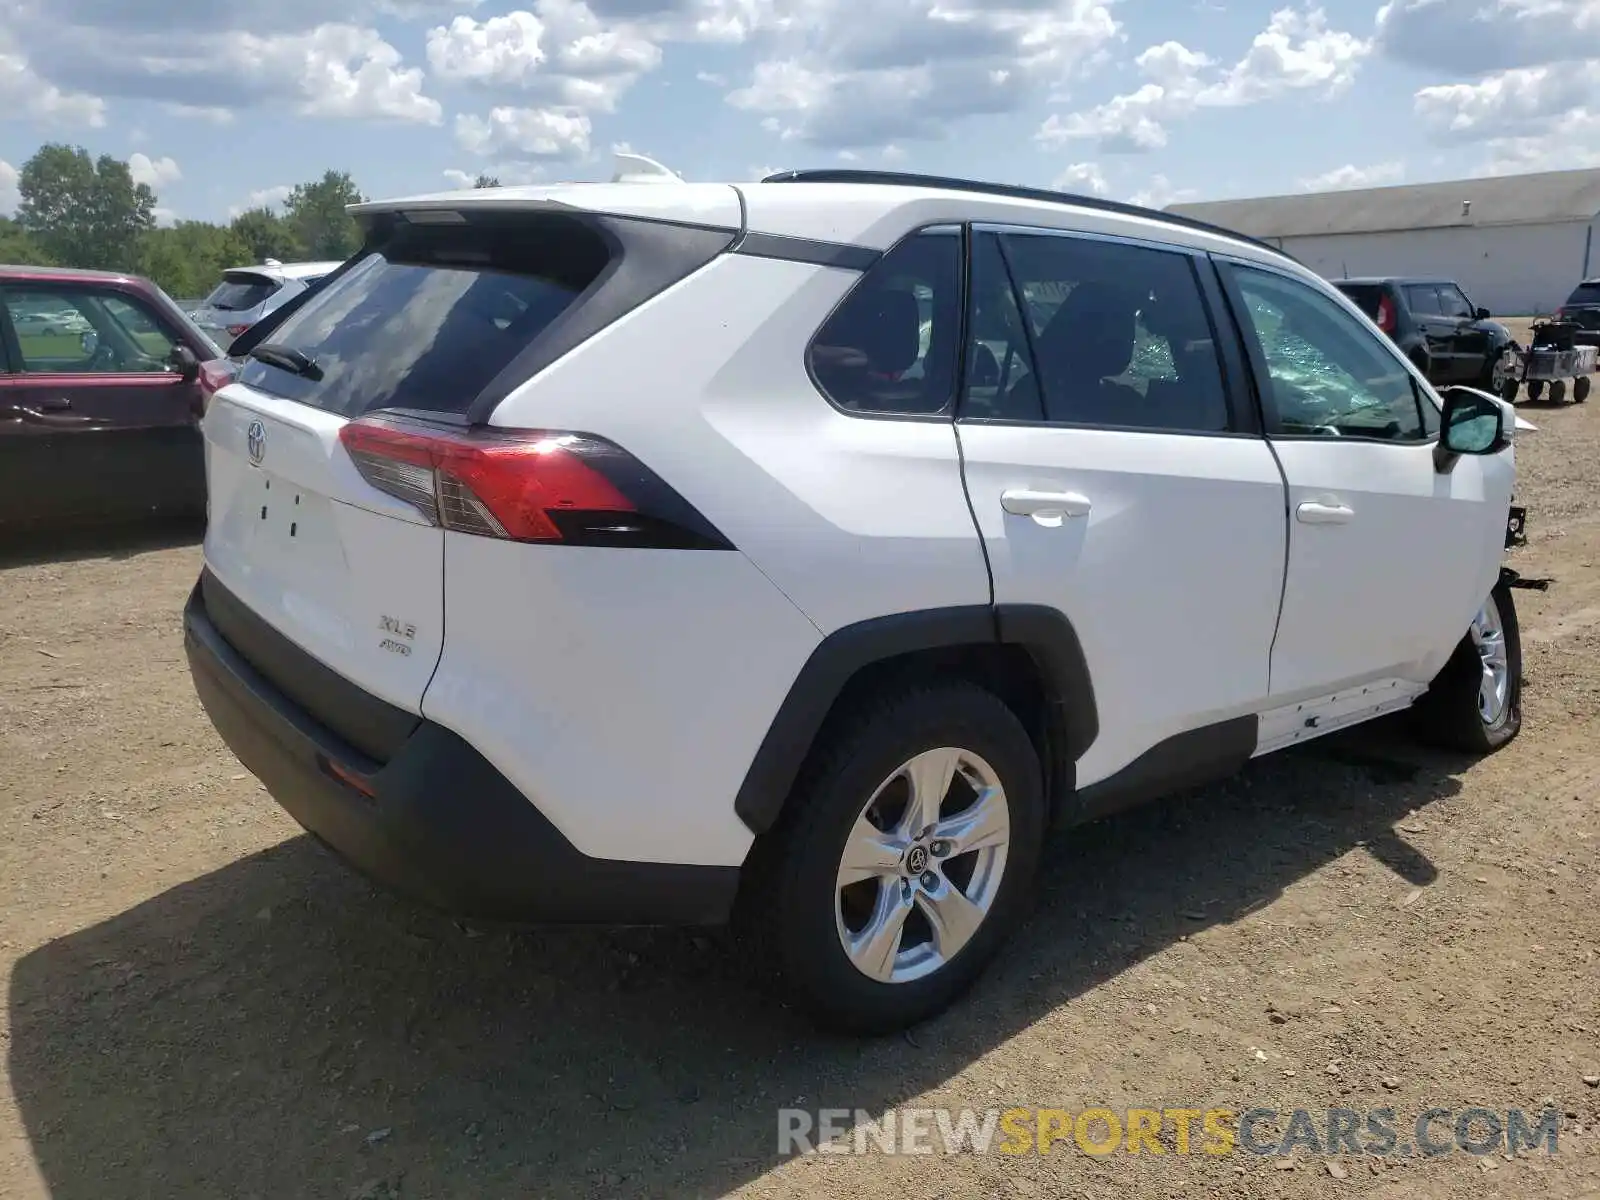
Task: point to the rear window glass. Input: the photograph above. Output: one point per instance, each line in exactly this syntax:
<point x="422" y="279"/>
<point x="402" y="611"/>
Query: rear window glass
<point x="1585" y="293"/>
<point x="1367" y="296"/>
<point x="238" y="292"/>
<point x="427" y="318"/>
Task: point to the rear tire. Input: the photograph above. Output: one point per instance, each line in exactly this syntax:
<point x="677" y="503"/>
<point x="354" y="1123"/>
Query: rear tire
<point x="1535" y="389"/>
<point x="1558" y="391"/>
<point x="856" y="803"/>
<point x="1474" y="704"/>
<point x="1580" y="389"/>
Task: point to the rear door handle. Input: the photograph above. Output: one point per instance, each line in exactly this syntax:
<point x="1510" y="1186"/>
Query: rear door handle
<point x="1024" y="502"/>
<point x="1314" y="512"/>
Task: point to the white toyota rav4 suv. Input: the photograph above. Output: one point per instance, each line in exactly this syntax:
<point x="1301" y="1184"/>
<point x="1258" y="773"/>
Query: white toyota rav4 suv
<point x="804" y="549"/>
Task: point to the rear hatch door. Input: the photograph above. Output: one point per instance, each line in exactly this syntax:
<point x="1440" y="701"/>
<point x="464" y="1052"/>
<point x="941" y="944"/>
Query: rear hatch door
<point x="235" y="303"/>
<point x="1583" y="306"/>
<point x="420" y="324"/>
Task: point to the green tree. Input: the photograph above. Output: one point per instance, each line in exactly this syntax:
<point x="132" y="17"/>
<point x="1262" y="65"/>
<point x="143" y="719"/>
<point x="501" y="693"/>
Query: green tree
<point x="486" y="181"/>
<point x="315" y="214"/>
<point x="17" y="248"/>
<point x="265" y="234"/>
<point x="84" y="212"/>
<point x="188" y="259"/>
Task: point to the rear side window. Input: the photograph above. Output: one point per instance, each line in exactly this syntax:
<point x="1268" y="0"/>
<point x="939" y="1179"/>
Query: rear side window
<point x="240" y="290"/>
<point x="890" y="347"/>
<point x="1585" y="293"/>
<point x="431" y="315"/>
<point x="1368" y="297"/>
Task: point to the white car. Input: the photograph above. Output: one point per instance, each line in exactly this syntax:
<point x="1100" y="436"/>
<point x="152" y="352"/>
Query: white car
<point x="245" y="295"/>
<point x="800" y="550"/>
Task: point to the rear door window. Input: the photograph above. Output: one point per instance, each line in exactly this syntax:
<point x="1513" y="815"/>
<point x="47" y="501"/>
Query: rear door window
<point x="427" y="318"/>
<point x="1423" y="299"/>
<point x="241" y="290"/>
<point x="1585" y="293"/>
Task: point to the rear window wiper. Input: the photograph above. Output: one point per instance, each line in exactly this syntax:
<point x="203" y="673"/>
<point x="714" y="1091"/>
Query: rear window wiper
<point x="287" y="358"/>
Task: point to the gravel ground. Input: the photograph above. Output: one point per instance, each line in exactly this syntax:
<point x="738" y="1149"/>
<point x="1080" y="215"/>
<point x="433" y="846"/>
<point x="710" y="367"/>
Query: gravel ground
<point x="199" y="1003"/>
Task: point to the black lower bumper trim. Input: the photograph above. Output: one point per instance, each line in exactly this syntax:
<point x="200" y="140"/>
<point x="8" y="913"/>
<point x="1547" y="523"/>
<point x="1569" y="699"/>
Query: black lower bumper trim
<point x="441" y="825"/>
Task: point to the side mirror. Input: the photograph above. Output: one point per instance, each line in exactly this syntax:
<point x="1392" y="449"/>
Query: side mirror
<point x="88" y="342"/>
<point x="1482" y="314"/>
<point x="185" y="363"/>
<point x="1473" y="422"/>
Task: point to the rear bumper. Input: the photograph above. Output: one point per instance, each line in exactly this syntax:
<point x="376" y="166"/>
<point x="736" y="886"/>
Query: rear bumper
<point x="436" y="822"/>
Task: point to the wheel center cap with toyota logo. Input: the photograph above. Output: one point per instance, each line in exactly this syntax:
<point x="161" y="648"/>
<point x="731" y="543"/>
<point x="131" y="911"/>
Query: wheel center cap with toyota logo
<point x="255" y="441"/>
<point x="916" y="860"/>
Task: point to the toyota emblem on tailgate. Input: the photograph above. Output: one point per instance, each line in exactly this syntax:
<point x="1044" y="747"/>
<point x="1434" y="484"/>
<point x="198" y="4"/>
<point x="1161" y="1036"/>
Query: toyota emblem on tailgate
<point x="255" y="441"/>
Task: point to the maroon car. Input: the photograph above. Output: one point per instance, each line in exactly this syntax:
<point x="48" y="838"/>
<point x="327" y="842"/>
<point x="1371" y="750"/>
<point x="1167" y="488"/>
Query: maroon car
<point x="100" y="392"/>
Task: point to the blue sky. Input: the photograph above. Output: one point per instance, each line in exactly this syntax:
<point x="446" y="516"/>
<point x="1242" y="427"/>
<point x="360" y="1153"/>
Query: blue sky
<point x="220" y="105"/>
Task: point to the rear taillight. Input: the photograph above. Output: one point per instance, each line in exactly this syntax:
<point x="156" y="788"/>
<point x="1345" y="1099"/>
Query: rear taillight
<point x="1561" y="314"/>
<point x="526" y="485"/>
<point x="215" y="375"/>
<point x="1386" y="315"/>
<point x="236" y="330"/>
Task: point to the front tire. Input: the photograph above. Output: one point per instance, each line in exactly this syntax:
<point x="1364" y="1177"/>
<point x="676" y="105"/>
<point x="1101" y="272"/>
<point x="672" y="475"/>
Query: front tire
<point x="1474" y="704"/>
<point x="905" y="856"/>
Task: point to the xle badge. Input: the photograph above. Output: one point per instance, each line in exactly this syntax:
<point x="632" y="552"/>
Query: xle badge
<point x="398" y="635"/>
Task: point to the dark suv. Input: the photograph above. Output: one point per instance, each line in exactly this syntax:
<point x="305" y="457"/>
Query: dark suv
<point x="1437" y="327"/>
<point x="101" y="383"/>
<point x="1583" y="310"/>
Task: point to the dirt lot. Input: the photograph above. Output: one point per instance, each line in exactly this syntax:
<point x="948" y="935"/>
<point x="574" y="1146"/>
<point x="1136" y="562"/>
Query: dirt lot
<point x="199" y="1003"/>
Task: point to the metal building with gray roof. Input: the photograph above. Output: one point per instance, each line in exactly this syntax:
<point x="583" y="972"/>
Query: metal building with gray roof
<point x="1516" y="243"/>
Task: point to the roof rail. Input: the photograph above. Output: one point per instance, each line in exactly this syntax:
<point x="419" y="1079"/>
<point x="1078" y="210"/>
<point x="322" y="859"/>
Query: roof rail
<point x="906" y="179"/>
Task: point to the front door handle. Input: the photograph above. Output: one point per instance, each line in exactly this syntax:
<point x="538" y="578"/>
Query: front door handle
<point x="1024" y="502"/>
<point x="1314" y="512"/>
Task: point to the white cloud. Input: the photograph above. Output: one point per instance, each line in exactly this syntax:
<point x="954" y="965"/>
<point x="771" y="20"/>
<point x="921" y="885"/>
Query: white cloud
<point x="462" y="179"/>
<point x="165" y="217"/>
<point x="10" y="197"/>
<point x="1082" y="178"/>
<point x="1352" y="176"/>
<point x="1297" y="52"/>
<point x="711" y="78"/>
<point x="1481" y="36"/>
<point x="855" y="74"/>
<point x="1519" y="101"/>
<point x="156" y="173"/>
<point x="1544" y="117"/>
<point x="201" y="112"/>
<point x="526" y="133"/>
<point x="1160" y="192"/>
<point x="561" y="53"/>
<point x="23" y="92"/>
<point x="329" y="70"/>
<point x="268" y="197"/>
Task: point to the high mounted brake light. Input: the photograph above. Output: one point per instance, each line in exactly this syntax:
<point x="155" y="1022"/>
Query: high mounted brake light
<point x="526" y="485"/>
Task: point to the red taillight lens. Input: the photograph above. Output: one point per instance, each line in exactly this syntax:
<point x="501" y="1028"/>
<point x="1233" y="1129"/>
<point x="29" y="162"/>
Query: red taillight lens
<point x="236" y="330"/>
<point x="526" y="485"/>
<point x="1385" y="315"/>
<point x="215" y="375"/>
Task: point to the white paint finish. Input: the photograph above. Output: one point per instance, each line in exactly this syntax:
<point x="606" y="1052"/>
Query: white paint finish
<point x="1512" y="270"/>
<point x="1390" y="591"/>
<point x="624" y="692"/>
<point x="332" y="556"/>
<point x="1291" y="724"/>
<point x="1171" y="579"/>
<point x="852" y="517"/>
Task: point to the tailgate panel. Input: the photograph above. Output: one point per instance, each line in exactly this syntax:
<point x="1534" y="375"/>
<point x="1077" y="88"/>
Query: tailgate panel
<point x="296" y="534"/>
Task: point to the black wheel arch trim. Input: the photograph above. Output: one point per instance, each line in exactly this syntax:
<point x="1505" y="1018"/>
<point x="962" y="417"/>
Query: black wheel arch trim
<point x="1044" y="632"/>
